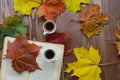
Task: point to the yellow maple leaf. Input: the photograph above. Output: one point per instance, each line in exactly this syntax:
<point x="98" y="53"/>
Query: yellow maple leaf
<point x="25" y="6"/>
<point x="74" y="5"/>
<point x="86" y="66"/>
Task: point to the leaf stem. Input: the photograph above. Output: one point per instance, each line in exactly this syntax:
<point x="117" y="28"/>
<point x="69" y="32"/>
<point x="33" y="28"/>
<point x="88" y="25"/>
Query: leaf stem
<point x="111" y="63"/>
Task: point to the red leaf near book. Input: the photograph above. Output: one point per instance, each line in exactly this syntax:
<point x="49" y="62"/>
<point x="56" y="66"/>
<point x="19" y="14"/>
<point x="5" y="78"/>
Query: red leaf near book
<point x="60" y="38"/>
<point x="23" y="55"/>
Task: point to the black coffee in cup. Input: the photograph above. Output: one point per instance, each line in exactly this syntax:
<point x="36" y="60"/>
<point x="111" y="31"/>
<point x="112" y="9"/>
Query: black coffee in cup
<point x="49" y="26"/>
<point x="49" y="54"/>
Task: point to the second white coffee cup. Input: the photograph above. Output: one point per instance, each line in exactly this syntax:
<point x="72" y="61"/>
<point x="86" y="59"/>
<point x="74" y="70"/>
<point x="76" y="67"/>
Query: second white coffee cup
<point x="49" y="55"/>
<point x="49" y="27"/>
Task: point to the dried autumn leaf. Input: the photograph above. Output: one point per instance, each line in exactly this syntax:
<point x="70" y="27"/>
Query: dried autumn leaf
<point x="60" y="38"/>
<point x="50" y="9"/>
<point x="92" y="19"/>
<point x="90" y="28"/>
<point x="89" y="12"/>
<point x="25" y="6"/>
<point x="86" y="67"/>
<point x="117" y="42"/>
<point x="74" y="5"/>
<point x="118" y="33"/>
<point x="23" y="55"/>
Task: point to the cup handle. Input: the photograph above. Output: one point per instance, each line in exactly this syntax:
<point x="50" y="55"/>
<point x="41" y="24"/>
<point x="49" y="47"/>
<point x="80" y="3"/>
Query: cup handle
<point x="44" y="33"/>
<point x="56" y="59"/>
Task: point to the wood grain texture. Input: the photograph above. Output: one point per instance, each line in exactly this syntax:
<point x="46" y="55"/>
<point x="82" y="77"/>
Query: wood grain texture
<point x="103" y="42"/>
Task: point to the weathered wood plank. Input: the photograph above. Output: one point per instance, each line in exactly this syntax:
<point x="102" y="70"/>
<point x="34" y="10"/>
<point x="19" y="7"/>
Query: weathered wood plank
<point x="112" y="8"/>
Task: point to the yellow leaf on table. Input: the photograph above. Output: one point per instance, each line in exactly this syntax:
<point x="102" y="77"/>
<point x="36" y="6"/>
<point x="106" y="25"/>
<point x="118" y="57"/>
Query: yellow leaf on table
<point x="74" y="5"/>
<point x="86" y="67"/>
<point x="25" y="6"/>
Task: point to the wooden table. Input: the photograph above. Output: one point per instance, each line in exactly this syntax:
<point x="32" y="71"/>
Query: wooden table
<point x="102" y="42"/>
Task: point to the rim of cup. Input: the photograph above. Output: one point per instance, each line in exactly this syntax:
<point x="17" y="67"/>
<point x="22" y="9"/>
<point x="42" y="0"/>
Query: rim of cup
<point x="52" y="31"/>
<point x="54" y="58"/>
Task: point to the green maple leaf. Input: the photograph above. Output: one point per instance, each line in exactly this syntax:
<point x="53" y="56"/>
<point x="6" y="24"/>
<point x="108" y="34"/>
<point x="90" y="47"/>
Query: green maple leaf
<point x="86" y="66"/>
<point x="25" y="6"/>
<point x="74" y="5"/>
<point x="12" y="26"/>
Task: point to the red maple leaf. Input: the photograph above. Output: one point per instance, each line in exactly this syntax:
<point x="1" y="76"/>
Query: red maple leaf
<point x="23" y="55"/>
<point x="60" y="38"/>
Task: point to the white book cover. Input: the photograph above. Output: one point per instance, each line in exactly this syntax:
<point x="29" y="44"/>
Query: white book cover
<point x="50" y="70"/>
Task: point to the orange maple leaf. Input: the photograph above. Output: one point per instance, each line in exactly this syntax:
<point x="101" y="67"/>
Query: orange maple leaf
<point x="117" y="42"/>
<point x="89" y="12"/>
<point x="92" y="19"/>
<point x="50" y="9"/>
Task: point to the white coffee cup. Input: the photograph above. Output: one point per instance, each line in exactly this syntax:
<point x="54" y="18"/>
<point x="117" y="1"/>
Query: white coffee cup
<point x="49" y="55"/>
<point x="49" y="27"/>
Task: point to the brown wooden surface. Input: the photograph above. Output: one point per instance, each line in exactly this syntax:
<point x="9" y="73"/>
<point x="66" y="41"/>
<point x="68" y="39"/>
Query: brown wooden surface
<point x="103" y="42"/>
